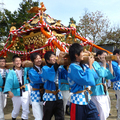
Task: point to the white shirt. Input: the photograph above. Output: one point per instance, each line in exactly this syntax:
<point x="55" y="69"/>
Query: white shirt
<point x="56" y="78"/>
<point x="1" y="71"/>
<point x="38" y="69"/>
<point x="19" y="73"/>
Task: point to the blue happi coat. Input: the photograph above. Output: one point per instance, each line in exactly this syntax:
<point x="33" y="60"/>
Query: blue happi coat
<point x="35" y="81"/>
<point x="12" y="83"/>
<point x="102" y="74"/>
<point x="49" y="76"/>
<point x="116" y="80"/>
<point x="62" y="76"/>
<point x="1" y="81"/>
<point x="35" y="78"/>
<point x="78" y="80"/>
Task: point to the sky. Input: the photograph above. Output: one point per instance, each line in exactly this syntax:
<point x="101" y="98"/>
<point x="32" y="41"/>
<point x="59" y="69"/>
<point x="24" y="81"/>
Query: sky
<point x="65" y="9"/>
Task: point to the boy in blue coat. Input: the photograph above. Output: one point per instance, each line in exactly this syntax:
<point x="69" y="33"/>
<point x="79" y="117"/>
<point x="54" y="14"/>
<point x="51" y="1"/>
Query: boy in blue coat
<point x="53" y="103"/>
<point x="16" y="86"/>
<point x="80" y="77"/>
<point x="37" y="86"/>
<point x="99" y="94"/>
<point x="116" y="80"/>
<point x="3" y="75"/>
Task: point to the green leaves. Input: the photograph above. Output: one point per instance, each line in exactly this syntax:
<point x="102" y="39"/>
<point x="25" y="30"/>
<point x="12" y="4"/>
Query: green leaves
<point x="8" y="19"/>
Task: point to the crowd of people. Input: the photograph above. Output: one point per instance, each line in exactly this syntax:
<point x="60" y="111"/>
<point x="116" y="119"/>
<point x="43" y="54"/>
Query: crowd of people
<point x="78" y="89"/>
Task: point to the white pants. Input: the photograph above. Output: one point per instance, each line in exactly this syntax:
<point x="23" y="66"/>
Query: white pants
<point x="37" y="108"/>
<point x="66" y="95"/>
<point x="103" y="105"/>
<point x="109" y="83"/>
<point x="3" y="99"/>
<point x="29" y="91"/>
<point x="109" y="101"/>
<point x="118" y="102"/>
<point x="18" y="102"/>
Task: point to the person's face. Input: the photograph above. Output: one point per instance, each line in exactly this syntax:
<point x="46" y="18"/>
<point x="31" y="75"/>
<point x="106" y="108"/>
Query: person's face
<point x="52" y="59"/>
<point x="80" y="57"/>
<point x="38" y="60"/>
<point x="17" y="62"/>
<point x="117" y="54"/>
<point x="104" y="54"/>
<point x="2" y="63"/>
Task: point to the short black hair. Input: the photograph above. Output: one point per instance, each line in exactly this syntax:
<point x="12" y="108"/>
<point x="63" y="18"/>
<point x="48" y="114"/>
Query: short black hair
<point x="14" y="57"/>
<point x="1" y="58"/>
<point x="116" y="51"/>
<point x="75" y="48"/>
<point x="34" y="55"/>
<point x="100" y="52"/>
<point x="47" y="55"/>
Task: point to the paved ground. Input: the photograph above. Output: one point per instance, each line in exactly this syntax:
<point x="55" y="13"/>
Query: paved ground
<point x="113" y="105"/>
<point x="113" y="112"/>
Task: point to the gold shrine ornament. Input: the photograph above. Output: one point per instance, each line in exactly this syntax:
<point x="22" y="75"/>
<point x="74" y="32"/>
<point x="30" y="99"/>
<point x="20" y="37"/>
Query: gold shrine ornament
<point x="12" y="28"/>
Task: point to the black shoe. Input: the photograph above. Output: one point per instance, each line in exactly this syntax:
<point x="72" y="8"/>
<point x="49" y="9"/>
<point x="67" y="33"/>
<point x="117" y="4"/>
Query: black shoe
<point x="13" y="118"/>
<point x="67" y="110"/>
<point x="24" y="119"/>
<point x="116" y="96"/>
<point x="30" y="106"/>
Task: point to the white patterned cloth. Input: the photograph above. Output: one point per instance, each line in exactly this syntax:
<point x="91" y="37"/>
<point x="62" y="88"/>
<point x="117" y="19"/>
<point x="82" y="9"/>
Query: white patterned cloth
<point x="116" y="85"/>
<point x="109" y="83"/>
<point x="66" y="95"/>
<point x="102" y="104"/>
<point x="51" y="96"/>
<point x="80" y="98"/>
<point x="35" y="96"/>
<point x="3" y="99"/>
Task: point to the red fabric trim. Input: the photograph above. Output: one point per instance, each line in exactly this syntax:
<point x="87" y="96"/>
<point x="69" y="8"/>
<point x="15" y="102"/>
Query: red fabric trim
<point x="73" y="112"/>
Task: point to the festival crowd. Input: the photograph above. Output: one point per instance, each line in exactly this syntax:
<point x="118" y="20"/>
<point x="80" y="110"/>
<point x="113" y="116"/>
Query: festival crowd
<point x="79" y="89"/>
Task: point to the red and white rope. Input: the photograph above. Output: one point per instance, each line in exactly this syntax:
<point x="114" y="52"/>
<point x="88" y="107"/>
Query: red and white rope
<point x="28" y="22"/>
<point x="23" y="52"/>
<point x="18" y="32"/>
<point x="7" y="40"/>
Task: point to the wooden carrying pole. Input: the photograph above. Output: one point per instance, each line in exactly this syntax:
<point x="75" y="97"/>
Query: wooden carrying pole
<point x="65" y="61"/>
